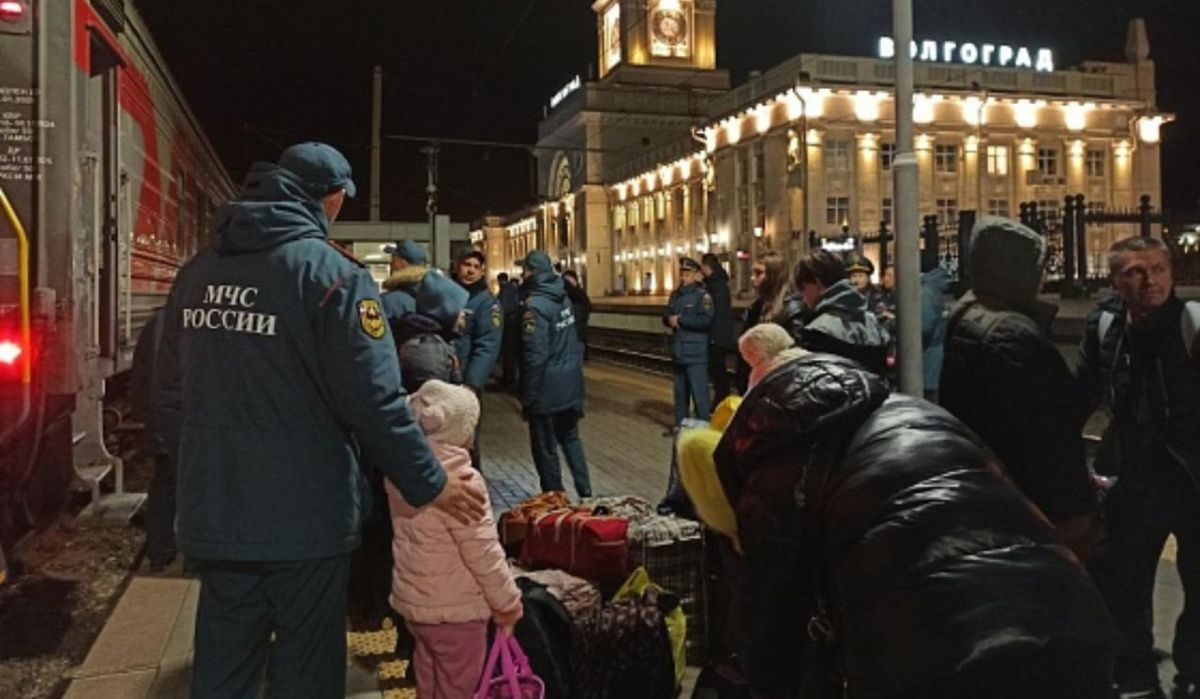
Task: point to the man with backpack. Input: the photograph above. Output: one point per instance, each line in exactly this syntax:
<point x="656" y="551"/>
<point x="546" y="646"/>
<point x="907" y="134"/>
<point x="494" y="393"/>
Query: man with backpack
<point x="1141" y="357"/>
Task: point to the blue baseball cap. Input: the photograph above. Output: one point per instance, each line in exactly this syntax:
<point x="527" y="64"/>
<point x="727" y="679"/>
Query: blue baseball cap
<point x="410" y="252"/>
<point x="322" y="167"/>
<point x="537" y="261"/>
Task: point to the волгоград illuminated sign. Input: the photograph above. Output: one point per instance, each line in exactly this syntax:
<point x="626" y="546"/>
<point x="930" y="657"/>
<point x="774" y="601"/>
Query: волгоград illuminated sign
<point x="968" y="53"/>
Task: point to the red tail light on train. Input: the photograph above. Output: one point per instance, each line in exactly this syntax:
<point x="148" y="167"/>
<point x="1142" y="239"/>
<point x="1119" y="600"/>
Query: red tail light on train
<point x="12" y="11"/>
<point x="10" y="353"/>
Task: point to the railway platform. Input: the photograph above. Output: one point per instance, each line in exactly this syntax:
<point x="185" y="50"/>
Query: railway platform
<point x="145" y="648"/>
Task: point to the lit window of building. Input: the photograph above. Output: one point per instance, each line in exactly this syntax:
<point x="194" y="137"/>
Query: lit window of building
<point x="887" y="155"/>
<point x="1047" y="161"/>
<point x="837" y="211"/>
<point x="1095" y="163"/>
<point x="998" y="207"/>
<point x="885" y="211"/>
<point x="1048" y="208"/>
<point x="947" y="211"/>
<point x="997" y="161"/>
<point x="837" y="155"/>
<point x="945" y="158"/>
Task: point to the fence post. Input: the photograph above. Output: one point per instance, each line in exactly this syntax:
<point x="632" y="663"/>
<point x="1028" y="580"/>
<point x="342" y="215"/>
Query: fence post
<point x="883" y="248"/>
<point x="929" y="237"/>
<point x="1144" y="213"/>
<point x="1024" y="215"/>
<point x="966" y="223"/>
<point x="1081" y="247"/>
<point x="1067" y="290"/>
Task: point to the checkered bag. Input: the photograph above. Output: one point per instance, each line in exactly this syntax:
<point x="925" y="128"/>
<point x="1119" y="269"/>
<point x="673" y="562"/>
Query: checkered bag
<point x="677" y="565"/>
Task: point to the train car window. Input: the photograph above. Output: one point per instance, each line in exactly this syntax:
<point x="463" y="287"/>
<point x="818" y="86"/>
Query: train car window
<point x="103" y="57"/>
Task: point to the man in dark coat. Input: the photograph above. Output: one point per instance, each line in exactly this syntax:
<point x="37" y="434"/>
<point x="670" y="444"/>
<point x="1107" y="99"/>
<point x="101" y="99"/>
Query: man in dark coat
<point x="689" y="315"/>
<point x="1004" y="378"/>
<point x="1140" y="356"/>
<point x="835" y="317"/>
<point x="552" y="376"/>
<point x="277" y="378"/>
<point x="879" y="527"/>
<point x="721" y="342"/>
<point x="510" y="345"/>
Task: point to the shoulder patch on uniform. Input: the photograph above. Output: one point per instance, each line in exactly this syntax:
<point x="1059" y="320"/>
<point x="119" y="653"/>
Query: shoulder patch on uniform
<point x="370" y="318"/>
<point x="707" y="302"/>
<point x="346" y="254"/>
<point x="529" y="322"/>
<point x="497" y="316"/>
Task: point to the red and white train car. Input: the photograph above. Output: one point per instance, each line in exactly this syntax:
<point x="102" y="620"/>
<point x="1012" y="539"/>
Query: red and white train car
<point x="108" y="185"/>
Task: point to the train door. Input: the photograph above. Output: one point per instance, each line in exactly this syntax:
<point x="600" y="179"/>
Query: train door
<point x="105" y="203"/>
<point x="100" y="206"/>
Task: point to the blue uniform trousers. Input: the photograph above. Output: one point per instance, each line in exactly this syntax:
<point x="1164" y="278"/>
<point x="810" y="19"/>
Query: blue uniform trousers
<point x="303" y="603"/>
<point x="691" y="388"/>
<point x="546" y="434"/>
<point x="160" y="513"/>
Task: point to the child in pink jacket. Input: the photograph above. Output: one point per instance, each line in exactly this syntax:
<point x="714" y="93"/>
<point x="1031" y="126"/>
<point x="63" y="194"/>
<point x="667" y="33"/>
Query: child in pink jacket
<point x="449" y="579"/>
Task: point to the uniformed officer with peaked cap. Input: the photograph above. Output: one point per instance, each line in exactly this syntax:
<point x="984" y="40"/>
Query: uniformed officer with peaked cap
<point x="690" y="313"/>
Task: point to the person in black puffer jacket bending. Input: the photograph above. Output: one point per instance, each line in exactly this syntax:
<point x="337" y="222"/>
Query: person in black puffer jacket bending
<point x="879" y="526"/>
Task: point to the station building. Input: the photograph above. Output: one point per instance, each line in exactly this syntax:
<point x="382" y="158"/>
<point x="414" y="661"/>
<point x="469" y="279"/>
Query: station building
<point x="659" y="157"/>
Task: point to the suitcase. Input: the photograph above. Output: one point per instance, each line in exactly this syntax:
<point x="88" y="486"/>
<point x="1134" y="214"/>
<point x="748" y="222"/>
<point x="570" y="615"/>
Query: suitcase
<point x="514" y="524"/>
<point x="586" y="545"/>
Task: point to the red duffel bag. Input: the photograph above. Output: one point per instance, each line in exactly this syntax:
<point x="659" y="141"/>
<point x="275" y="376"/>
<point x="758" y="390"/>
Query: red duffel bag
<point x="585" y="544"/>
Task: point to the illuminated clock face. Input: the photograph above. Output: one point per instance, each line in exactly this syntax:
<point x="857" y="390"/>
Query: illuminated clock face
<point x="670" y="28"/>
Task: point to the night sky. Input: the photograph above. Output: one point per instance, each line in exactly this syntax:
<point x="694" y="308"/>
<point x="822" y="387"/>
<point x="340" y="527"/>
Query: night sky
<point x="261" y="74"/>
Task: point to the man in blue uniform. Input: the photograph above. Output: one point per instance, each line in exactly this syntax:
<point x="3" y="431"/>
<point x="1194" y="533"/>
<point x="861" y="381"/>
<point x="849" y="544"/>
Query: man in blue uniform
<point x="552" y="376"/>
<point x="409" y="265"/>
<point x="277" y="379"/>
<point x="690" y="314"/>
<point x="479" y="344"/>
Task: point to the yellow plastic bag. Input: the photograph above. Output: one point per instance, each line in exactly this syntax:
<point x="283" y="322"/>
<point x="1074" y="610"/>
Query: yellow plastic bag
<point x="635" y="586"/>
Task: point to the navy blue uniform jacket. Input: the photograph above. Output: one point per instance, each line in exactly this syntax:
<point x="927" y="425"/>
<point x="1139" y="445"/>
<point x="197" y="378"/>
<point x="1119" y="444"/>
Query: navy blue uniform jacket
<point x="695" y="309"/>
<point x="277" y="378"/>
<point x="551" y="353"/>
<point x="479" y="344"/>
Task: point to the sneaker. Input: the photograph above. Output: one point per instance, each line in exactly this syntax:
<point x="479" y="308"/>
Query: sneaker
<point x="671" y="431"/>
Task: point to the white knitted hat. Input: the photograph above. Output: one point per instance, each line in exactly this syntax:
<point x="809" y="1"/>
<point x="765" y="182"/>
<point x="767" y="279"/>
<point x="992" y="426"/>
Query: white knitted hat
<point x="764" y="347"/>
<point x="446" y="413"/>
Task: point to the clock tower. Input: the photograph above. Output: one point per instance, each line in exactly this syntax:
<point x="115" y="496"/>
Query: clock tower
<point x="656" y="75"/>
<point x="663" y="33"/>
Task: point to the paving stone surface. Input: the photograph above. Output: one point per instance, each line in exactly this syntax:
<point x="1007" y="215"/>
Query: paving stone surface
<point x="625" y="415"/>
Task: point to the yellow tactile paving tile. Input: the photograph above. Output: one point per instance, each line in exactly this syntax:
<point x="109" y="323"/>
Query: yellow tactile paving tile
<point x="392" y="669"/>
<point x="367" y="643"/>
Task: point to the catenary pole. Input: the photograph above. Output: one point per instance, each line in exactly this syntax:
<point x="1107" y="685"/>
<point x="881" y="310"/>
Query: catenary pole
<point x="908" y="252"/>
